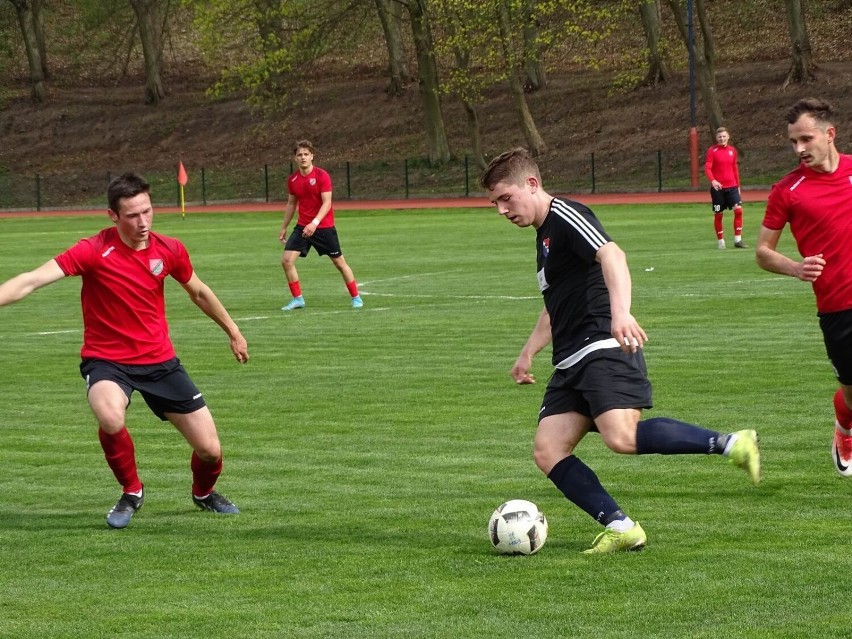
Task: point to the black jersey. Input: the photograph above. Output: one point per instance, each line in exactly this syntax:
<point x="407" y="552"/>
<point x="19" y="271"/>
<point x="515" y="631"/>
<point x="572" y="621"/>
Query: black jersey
<point x="570" y="279"/>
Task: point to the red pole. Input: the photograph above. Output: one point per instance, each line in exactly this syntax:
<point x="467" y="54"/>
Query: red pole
<point x="693" y="156"/>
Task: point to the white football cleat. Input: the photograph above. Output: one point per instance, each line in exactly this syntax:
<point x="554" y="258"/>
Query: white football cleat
<point x="841" y="451"/>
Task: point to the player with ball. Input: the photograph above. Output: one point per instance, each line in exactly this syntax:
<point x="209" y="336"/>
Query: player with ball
<point x="600" y="381"/>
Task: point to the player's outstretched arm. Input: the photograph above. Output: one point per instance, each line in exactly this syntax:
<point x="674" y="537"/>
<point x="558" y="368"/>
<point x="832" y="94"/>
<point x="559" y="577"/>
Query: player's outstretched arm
<point x="206" y="300"/>
<point x="22" y="285"/>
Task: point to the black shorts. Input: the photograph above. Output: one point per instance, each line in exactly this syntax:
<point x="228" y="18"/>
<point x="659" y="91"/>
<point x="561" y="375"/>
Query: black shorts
<point x="837" y="335"/>
<point x="725" y="198"/>
<point x="165" y="387"/>
<point x="601" y="381"/>
<point x="323" y="240"/>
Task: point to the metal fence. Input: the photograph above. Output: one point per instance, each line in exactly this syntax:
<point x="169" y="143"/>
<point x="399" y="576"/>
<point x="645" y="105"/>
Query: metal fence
<point x="624" y="172"/>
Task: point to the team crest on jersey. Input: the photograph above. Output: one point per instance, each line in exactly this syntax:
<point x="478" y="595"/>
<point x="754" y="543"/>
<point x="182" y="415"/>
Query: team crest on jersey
<point x="313" y="181"/>
<point x="156" y="266"/>
<point x="545" y="247"/>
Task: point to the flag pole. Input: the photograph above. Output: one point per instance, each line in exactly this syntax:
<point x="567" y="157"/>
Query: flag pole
<point x="182" y="179"/>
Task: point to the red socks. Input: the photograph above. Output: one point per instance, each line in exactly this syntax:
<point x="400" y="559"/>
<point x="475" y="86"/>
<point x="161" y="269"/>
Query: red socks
<point x="841" y="410"/>
<point x="352" y="287"/>
<point x="296" y="288"/>
<point x="204" y="475"/>
<point x="120" y="454"/>
<point x="738" y="220"/>
<point x="717" y="224"/>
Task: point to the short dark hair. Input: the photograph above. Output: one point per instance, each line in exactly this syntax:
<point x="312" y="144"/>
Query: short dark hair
<point x="510" y="166"/>
<point x="125" y="186"/>
<point x="303" y="144"/>
<point x="820" y="110"/>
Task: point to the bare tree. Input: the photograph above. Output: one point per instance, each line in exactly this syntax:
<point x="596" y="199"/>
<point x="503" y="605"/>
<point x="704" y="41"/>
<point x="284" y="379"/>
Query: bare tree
<point x="704" y="74"/>
<point x="708" y="48"/>
<point x="38" y="24"/>
<point x="652" y="24"/>
<point x="535" y="143"/>
<point x="400" y="75"/>
<point x="802" y="67"/>
<point x="150" y="16"/>
<point x="536" y="77"/>
<point x="427" y="73"/>
<point x="27" y="19"/>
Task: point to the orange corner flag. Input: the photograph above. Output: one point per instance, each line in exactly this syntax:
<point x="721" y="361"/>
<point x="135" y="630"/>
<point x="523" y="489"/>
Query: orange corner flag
<point x="182" y="177"/>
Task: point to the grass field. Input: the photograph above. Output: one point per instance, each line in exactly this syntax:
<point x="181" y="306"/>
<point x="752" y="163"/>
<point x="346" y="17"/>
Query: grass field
<point x="368" y="448"/>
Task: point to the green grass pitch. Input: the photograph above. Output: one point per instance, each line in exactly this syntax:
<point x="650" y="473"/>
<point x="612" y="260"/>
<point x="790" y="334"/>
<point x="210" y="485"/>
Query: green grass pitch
<point x="367" y="449"/>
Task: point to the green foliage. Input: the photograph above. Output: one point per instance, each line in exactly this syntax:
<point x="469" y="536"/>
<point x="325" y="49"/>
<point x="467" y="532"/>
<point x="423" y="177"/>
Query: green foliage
<point x="478" y="53"/>
<point x="270" y="48"/>
<point x="367" y="449"/>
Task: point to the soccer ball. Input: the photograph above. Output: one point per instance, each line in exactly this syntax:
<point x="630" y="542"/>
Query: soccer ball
<point x="517" y="527"/>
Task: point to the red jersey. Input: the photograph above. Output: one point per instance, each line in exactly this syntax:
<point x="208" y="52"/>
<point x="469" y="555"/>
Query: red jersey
<point x="818" y="208"/>
<point x="307" y="189"/>
<point x="124" y="307"/>
<point x="721" y="165"/>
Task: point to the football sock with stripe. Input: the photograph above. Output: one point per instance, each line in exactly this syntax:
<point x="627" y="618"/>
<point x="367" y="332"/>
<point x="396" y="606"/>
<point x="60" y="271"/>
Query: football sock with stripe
<point x="667" y="436"/>
<point x="581" y="487"/>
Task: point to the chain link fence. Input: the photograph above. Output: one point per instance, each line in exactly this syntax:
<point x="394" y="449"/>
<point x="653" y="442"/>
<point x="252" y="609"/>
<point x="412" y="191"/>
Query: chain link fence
<point x="637" y="172"/>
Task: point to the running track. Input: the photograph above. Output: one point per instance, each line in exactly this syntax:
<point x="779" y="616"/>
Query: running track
<point x="673" y="197"/>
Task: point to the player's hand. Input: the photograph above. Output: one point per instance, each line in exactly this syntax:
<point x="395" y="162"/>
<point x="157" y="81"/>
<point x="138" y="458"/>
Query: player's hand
<point x="239" y="348"/>
<point x="282" y="236"/>
<point x="526" y="378"/>
<point x="811" y="268"/>
<point x="631" y="337"/>
<point x="521" y="371"/>
<point x="309" y="229"/>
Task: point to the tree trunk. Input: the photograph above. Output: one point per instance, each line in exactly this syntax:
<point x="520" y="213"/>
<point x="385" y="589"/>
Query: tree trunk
<point x="707" y="44"/>
<point x="398" y="71"/>
<point x="536" y="77"/>
<point x="535" y="143"/>
<point x="475" y="132"/>
<point x="427" y="70"/>
<point x="148" y="14"/>
<point x="26" y="20"/>
<point x="652" y="24"/>
<point x="703" y="76"/>
<point x="462" y="57"/>
<point x="38" y="25"/>
<point x="802" y="67"/>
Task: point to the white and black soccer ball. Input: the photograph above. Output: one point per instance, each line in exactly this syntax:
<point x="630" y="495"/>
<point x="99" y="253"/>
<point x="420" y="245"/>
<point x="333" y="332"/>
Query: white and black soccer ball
<point x="517" y="527"/>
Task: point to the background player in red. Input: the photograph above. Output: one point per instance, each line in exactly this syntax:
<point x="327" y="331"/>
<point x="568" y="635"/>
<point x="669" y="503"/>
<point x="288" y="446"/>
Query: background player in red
<point x="722" y="171"/>
<point x="309" y="190"/>
<point x="126" y="344"/>
<point x="815" y="199"/>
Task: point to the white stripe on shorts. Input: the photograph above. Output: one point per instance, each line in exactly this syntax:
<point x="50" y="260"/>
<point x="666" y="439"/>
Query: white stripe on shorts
<point x="569" y="361"/>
